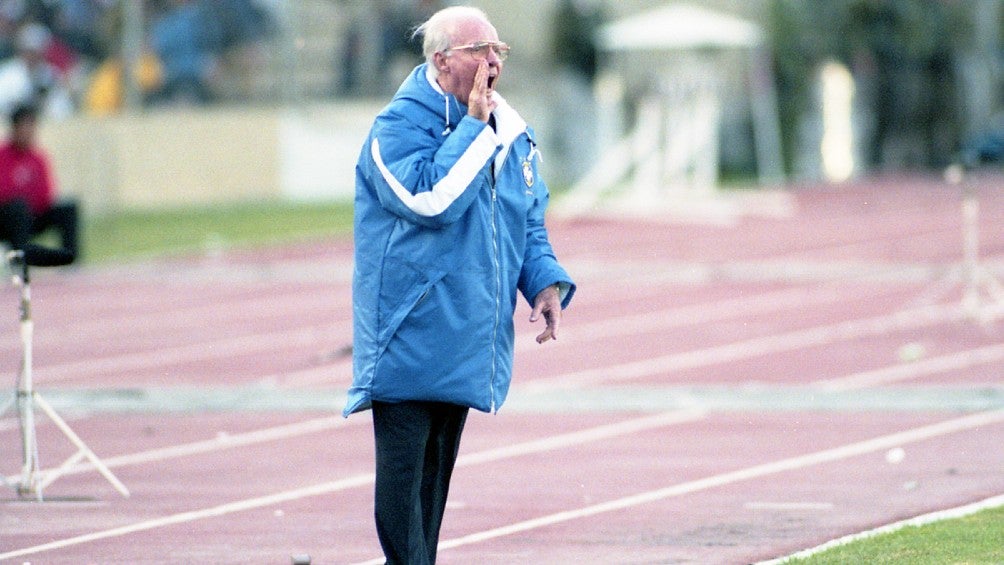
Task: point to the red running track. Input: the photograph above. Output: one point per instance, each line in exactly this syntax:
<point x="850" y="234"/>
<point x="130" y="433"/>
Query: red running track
<point x="721" y="393"/>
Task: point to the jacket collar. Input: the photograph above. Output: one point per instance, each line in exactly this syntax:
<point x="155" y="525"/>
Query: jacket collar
<point x="509" y="124"/>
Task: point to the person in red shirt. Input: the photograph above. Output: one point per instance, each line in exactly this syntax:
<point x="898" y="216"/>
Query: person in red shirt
<point x="28" y="204"/>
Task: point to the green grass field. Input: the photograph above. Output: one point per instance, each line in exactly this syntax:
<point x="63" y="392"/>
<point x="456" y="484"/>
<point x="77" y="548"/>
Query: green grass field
<point x="133" y="236"/>
<point x="973" y="539"/>
<point x="136" y="235"/>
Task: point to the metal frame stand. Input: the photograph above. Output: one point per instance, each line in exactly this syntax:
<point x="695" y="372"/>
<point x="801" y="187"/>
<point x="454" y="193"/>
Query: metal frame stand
<point x="982" y="293"/>
<point x="33" y="479"/>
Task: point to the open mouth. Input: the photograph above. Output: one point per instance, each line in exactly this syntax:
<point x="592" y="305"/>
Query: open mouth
<point x="491" y="81"/>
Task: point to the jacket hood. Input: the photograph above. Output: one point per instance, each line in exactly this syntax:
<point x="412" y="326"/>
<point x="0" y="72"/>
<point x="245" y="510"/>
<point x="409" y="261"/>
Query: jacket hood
<point x="421" y="87"/>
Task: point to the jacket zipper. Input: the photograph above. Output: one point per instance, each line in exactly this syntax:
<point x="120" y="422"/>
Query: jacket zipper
<point x="498" y="287"/>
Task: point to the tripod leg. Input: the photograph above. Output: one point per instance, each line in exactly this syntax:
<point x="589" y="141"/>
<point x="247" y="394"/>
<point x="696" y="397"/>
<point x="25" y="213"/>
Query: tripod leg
<point x="992" y="286"/>
<point x="30" y="479"/>
<point x="983" y="309"/>
<point x="30" y="472"/>
<point x="27" y="398"/>
<point x="939" y="289"/>
<point x="84" y="450"/>
<point x="3" y="410"/>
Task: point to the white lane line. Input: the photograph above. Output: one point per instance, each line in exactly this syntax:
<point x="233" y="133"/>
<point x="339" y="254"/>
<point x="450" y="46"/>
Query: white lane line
<point x="184" y="320"/>
<point x="915" y="369"/>
<point x="219" y="443"/>
<point x="793" y="463"/>
<point x="694" y="314"/>
<point x="14" y="422"/>
<point x="788" y="506"/>
<point x="337" y="371"/>
<point x="342" y="371"/>
<point x="756" y="347"/>
<point x="606" y="431"/>
<point x="626" y="325"/>
<point x="241" y="345"/>
<point x="658" y="320"/>
<point x="194" y="515"/>
<point x="605" y="329"/>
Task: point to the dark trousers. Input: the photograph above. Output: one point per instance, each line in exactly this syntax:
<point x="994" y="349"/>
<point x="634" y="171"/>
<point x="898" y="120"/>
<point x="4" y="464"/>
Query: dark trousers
<point x="416" y="448"/>
<point x="18" y="225"/>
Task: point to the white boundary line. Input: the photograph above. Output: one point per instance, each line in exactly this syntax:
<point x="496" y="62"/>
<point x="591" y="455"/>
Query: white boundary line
<point x="825" y="456"/>
<point x="182" y="321"/>
<point x="788" y="506"/>
<point x="606" y="431"/>
<point x="695" y="314"/>
<point x="759" y="346"/>
<point x="309" y="335"/>
<point x="219" y="443"/>
<point x="959" y="360"/>
<point x="922" y="520"/>
<point x="679" y="316"/>
<point x="608" y="328"/>
<point x="227" y="347"/>
<point x="855" y="381"/>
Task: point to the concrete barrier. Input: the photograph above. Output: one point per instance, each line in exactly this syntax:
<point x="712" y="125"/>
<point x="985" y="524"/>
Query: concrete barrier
<point x="203" y="156"/>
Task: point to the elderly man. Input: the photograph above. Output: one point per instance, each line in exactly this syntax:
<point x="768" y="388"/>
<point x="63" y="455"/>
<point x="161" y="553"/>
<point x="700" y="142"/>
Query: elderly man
<point x="449" y="227"/>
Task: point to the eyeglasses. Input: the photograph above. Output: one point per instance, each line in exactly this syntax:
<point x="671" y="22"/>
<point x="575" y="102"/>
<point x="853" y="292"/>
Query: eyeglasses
<point x="480" y="49"/>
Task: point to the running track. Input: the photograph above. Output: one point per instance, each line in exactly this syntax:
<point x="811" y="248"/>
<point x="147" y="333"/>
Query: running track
<point x="723" y="391"/>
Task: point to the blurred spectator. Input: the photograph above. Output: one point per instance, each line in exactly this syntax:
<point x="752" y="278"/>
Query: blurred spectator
<point x="401" y="51"/>
<point x="987" y="145"/>
<point x="378" y="50"/>
<point x="28" y="205"/>
<point x="399" y="20"/>
<point x="43" y="13"/>
<point x="29" y="78"/>
<point x="576" y="25"/>
<point x="9" y="16"/>
<point x="203" y="43"/>
<point x="104" y="90"/>
<point x="106" y="93"/>
<point x="80" y="24"/>
<point x="903" y="59"/>
<point x="237" y="31"/>
<point x="183" y="38"/>
<point x="351" y="55"/>
<point x="572" y="105"/>
<point x="235" y="24"/>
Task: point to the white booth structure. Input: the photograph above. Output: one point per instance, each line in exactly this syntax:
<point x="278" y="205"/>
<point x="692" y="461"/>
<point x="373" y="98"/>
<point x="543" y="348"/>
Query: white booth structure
<point x="668" y="69"/>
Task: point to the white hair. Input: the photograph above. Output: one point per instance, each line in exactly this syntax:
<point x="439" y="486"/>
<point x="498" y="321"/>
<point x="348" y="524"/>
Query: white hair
<point x="439" y="30"/>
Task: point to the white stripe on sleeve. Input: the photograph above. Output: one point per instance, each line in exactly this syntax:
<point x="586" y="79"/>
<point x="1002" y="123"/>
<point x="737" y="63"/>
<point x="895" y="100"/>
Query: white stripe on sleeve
<point x="451" y="186"/>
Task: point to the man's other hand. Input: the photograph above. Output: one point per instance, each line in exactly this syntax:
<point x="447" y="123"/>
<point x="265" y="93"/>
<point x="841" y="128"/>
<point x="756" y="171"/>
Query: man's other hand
<point x="548" y="303"/>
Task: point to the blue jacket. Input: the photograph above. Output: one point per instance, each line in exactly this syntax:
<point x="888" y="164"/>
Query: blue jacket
<point x="449" y="224"/>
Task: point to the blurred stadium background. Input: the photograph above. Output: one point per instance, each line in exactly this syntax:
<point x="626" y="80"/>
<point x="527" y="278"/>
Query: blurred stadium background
<point x="163" y="103"/>
<point x="160" y="104"/>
